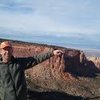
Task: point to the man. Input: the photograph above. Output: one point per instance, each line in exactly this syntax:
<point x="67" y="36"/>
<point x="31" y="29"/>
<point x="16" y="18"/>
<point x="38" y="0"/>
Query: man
<point x="12" y="77"/>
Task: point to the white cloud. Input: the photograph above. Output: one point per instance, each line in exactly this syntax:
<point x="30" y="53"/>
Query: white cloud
<point x="31" y="23"/>
<point x="51" y="16"/>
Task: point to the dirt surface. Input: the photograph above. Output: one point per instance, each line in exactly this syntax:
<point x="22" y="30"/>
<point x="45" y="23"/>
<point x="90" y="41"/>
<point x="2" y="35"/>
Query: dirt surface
<point x="72" y="76"/>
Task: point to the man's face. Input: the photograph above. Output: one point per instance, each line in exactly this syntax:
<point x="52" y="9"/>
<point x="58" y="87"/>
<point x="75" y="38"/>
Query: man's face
<point x="6" y="54"/>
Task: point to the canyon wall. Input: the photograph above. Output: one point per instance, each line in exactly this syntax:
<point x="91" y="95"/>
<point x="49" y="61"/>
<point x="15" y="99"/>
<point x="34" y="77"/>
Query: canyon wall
<point x="72" y="73"/>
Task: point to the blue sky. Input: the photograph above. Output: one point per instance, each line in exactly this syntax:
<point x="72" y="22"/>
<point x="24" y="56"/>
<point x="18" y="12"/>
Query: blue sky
<point x="73" y="19"/>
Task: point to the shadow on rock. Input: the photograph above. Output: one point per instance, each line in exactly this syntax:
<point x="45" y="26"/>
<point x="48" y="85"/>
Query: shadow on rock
<point x="86" y="69"/>
<point x="33" y="95"/>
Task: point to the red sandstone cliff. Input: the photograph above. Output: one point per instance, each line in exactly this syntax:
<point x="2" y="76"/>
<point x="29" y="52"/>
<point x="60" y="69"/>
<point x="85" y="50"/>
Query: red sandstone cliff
<point x="72" y="73"/>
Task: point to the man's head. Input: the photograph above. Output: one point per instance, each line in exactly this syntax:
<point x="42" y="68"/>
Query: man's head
<point x="6" y="51"/>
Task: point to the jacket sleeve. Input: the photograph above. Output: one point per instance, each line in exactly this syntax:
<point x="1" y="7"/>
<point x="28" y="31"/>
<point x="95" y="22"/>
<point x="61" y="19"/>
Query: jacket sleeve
<point x="36" y="59"/>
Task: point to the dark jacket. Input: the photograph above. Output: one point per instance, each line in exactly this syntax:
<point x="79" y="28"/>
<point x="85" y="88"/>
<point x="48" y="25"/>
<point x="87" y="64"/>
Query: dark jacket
<point x="12" y="77"/>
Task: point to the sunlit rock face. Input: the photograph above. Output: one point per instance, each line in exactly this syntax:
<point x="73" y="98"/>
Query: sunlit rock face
<point x="72" y="73"/>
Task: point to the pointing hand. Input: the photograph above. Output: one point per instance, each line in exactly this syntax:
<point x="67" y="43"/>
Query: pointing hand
<point x="58" y="52"/>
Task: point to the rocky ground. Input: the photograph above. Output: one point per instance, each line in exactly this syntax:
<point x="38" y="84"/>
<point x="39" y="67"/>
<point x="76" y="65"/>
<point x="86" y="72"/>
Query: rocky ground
<point x="72" y="76"/>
